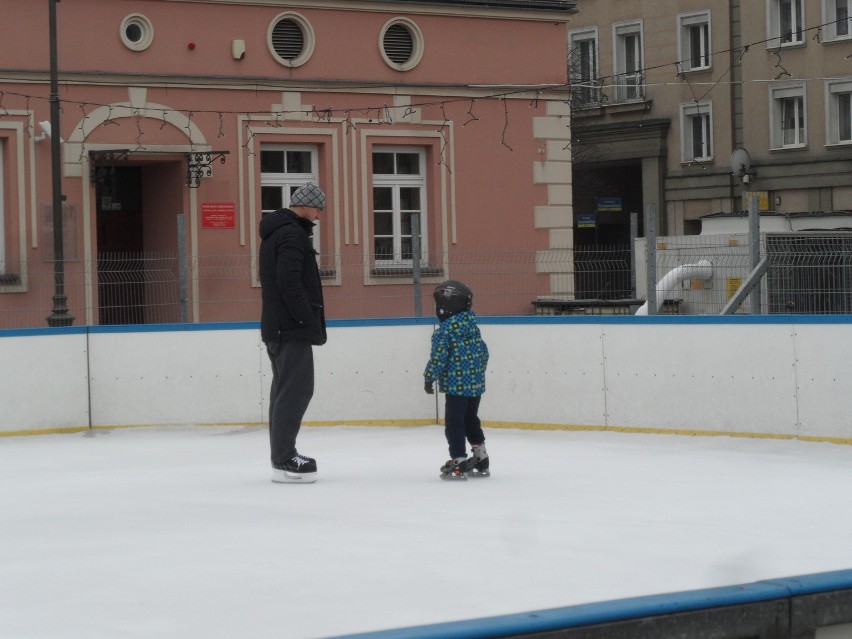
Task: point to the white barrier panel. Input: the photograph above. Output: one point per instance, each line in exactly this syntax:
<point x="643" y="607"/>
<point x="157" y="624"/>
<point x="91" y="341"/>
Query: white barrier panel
<point x="544" y="374"/>
<point x="45" y="384"/>
<point x="823" y="371"/>
<point x="370" y="373"/>
<point x="770" y="376"/>
<point x="176" y="377"/>
<point x="706" y="377"/>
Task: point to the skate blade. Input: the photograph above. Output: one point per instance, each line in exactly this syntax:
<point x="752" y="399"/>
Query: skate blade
<point x="453" y="477"/>
<point x="283" y="477"/>
<point x="479" y="474"/>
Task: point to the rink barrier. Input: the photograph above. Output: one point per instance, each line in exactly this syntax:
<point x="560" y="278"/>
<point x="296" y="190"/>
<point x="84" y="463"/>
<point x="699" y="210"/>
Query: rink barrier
<point x="816" y="606"/>
<point x="777" y="377"/>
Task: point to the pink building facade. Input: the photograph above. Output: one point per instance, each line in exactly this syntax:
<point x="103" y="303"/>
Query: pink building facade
<point x="183" y="121"/>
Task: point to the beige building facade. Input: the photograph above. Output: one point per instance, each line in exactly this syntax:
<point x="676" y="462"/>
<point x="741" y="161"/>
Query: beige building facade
<point x="665" y="92"/>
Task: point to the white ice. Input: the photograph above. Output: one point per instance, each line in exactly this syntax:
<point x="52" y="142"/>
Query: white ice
<point x="179" y="533"/>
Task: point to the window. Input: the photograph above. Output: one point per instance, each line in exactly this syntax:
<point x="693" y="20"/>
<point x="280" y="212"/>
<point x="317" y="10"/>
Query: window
<point x="290" y="39"/>
<point x="401" y="44"/>
<point x="398" y="193"/>
<point x="283" y="169"/>
<point x="786" y="22"/>
<point x="839" y="111"/>
<point x="836" y="18"/>
<point x="696" y="121"/>
<point x="694" y="41"/>
<point x="136" y="32"/>
<point x="787" y="116"/>
<point x="583" y="66"/>
<point x="628" y="62"/>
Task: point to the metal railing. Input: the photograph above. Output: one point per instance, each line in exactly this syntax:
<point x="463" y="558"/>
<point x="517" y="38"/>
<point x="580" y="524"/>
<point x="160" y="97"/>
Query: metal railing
<point x="630" y="87"/>
<point x="586" y="93"/>
<point x="808" y="273"/>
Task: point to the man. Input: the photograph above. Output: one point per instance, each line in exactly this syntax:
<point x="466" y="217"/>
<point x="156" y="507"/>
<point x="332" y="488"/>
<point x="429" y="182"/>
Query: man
<point x="292" y="322"/>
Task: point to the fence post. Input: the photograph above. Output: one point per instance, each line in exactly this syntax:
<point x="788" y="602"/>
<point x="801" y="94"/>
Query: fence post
<point x="651" y="256"/>
<point x="754" y="250"/>
<point x="183" y="276"/>
<point x="415" y="263"/>
<point x="634" y="233"/>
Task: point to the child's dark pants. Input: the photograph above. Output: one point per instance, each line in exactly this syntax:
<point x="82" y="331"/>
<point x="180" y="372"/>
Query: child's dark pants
<point x="461" y="421"/>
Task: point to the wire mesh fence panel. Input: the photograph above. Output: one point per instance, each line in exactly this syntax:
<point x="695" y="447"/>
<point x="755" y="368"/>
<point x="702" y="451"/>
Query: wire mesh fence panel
<point x="137" y="288"/>
<point x="730" y="263"/>
<point x="808" y="273"/>
<point x="603" y="272"/>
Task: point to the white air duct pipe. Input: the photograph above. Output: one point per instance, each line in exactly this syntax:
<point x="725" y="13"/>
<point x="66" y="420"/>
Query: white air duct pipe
<point x="703" y="270"/>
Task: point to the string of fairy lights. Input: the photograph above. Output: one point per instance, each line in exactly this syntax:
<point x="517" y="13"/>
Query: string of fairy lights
<point x="384" y="114"/>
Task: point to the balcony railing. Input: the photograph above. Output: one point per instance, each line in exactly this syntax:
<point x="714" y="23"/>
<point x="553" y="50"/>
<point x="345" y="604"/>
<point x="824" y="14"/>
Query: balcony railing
<point x="629" y="87"/>
<point x="586" y="94"/>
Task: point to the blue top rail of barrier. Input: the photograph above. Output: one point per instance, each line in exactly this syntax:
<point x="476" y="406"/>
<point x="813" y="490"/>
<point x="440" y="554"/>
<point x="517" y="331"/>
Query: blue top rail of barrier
<point x="620" y="610"/>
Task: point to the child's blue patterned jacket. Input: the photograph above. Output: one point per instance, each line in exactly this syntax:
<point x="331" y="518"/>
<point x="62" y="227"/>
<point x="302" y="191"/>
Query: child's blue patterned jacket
<point x="459" y="356"/>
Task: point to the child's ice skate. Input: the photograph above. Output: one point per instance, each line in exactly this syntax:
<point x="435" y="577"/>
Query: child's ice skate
<point x="454" y="469"/>
<point x="478" y="465"/>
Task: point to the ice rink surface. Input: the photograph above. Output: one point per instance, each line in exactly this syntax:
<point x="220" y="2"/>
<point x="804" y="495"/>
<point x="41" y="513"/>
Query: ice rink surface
<point x="178" y="532"/>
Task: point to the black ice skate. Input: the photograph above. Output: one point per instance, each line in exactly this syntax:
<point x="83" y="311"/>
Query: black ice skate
<point x="298" y="470"/>
<point x="478" y="465"/>
<point x="454" y="469"/>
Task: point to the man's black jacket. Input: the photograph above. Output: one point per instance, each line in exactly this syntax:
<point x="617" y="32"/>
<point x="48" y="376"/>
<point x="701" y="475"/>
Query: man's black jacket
<point x="290" y="280"/>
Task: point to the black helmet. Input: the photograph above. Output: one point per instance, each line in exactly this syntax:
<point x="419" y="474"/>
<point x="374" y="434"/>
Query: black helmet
<point x="451" y="297"/>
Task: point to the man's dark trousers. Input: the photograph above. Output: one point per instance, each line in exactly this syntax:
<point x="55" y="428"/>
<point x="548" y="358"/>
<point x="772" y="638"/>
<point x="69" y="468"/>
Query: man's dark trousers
<point x="291" y="391"/>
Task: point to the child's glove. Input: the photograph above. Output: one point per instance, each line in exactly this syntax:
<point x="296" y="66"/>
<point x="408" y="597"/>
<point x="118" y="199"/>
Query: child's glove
<point x="427" y="386"/>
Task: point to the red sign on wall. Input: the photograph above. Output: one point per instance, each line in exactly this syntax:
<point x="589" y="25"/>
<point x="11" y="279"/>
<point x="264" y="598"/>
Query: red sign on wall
<point x="218" y="215"/>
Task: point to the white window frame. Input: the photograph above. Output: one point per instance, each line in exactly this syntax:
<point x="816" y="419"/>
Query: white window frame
<point x="396" y="182"/>
<point x="686" y="22"/>
<point x="837" y="28"/>
<point x="780" y="97"/>
<point x="688" y="113"/>
<point x="629" y="78"/>
<point x="588" y="92"/>
<point x="288" y="182"/>
<point x="838" y="106"/>
<point x="773" y="23"/>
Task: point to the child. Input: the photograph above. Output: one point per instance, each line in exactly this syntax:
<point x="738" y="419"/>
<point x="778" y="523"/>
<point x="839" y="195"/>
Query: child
<point x="458" y="361"/>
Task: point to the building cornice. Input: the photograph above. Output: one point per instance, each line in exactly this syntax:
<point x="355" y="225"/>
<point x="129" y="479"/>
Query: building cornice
<point x="507" y="9"/>
<point x="262" y="83"/>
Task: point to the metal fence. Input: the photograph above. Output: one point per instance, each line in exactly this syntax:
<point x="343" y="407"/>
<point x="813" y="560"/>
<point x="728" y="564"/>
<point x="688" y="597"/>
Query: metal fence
<point x="808" y="273"/>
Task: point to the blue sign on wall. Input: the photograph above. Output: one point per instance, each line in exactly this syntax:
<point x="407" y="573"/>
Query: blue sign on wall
<point x="608" y="203"/>
<point x="586" y="221"/>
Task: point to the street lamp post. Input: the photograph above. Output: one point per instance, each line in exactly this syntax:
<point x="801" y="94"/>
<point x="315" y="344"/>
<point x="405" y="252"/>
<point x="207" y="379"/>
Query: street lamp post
<point x="59" y="316"/>
<point x="741" y="167"/>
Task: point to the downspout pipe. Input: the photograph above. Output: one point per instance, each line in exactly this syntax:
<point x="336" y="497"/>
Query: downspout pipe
<point x="702" y="270"/>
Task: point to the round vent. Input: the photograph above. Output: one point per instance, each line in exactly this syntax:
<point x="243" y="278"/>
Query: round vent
<point x="136" y="32"/>
<point x="398" y="44"/>
<point x="401" y="44"/>
<point x="290" y="39"/>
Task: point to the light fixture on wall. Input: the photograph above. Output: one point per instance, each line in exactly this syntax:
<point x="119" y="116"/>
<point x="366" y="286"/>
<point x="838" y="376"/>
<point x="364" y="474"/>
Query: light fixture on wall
<point x="44" y="125"/>
<point x="46" y="129"/>
<point x="238" y="49"/>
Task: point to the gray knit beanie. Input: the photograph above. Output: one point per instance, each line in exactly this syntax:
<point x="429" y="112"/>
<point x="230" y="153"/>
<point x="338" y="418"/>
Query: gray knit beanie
<point x="309" y="194"/>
